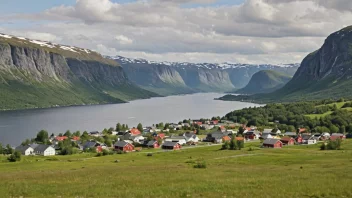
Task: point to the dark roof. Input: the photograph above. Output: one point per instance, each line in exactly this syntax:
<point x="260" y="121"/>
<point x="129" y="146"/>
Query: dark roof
<point x="306" y="137"/>
<point x="291" y="133"/>
<point x="151" y="143"/>
<point x="22" y="148"/>
<point x="189" y="134"/>
<point x="270" y="141"/>
<point x="41" y="148"/>
<point x="286" y="138"/>
<point x="89" y="144"/>
<point x="170" y="144"/>
<point x="121" y="143"/>
<point x="177" y="137"/>
<point x="34" y="145"/>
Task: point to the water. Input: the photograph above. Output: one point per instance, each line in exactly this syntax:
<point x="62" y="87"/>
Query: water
<point x="16" y="126"/>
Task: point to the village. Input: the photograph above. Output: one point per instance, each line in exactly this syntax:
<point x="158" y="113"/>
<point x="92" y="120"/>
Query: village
<point x="187" y="134"/>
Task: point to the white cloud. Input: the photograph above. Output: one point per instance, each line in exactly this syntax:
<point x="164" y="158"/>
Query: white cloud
<point x="267" y="31"/>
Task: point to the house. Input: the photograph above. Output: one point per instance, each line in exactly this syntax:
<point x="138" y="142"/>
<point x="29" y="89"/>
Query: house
<point x="299" y="139"/>
<point x="93" y="144"/>
<point x="214" y="122"/>
<point x="251" y="135"/>
<point x="206" y="127"/>
<point x="222" y="128"/>
<point x="266" y="136"/>
<point x="342" y="136"/>
<point x="135" y="131"/>
<point x="216" y="137"/>
<point x="186" y="125"/>
<point x="191" y="138"/>
<point x="291" y="134"/>
<point x="153" y="144"/>
<point x="179" y="139"/>
<point x="199" y="123"/>
<point x="171" y="146"/>
<point x="317" y="136"/>
<point x="123" y="146"/>
<point x="287" y="140"/>
<point x="308" y="139"/>
<point x="61" y="138"/>
<point x="75" y="138"/>
<point x="272" y="143"/>
<point x="267" y="131"/>
<point x="137" y="138"/>
<point x="45" y="150"/>
<point x="25" y="150"/>
<point x="302" y="130"/>
<point x="226" y="138"/>
<point x="231" y="132"/>
<point x="114" y="132"/>
<point x="95" y="134"/>
<point x="325" y="135"/>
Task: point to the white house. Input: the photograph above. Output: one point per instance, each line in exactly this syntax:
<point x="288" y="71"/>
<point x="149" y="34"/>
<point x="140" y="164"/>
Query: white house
<point x="190" y="137"/>
<point x="266" y="136"/>
<point x="179" y="139"/>
<point x="45" y="150"/>
<point x="308" y="139"/>
<point x="137" y="138"/>
<point x="25" y="150"/>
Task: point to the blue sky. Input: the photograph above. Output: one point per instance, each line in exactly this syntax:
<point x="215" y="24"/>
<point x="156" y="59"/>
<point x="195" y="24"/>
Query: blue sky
<point x="32" y="6"/>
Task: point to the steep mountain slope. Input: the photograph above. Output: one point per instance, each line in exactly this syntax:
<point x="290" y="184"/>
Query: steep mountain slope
<point x="180" y="77"/>
<point x="42" y="74"/>
<point x="325" y="73"/>
<point x="265" y="81"/>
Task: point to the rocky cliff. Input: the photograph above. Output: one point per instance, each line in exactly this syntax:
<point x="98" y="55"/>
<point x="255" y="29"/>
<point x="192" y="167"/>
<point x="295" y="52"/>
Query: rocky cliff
<point x="41" y="74"/>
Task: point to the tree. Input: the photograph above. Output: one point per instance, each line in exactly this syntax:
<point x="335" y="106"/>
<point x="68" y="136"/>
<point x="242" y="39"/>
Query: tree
<point x="42" y="137"/>
<point x="77" y="133"/>
<point x="1" y="149"/>
<point x="118" y="127"/>
<point x="16" y="156"/>
<point x="225" y="145"/>
<point x="8" y="149"/>
<point x="26" y="142"/>
<point x="334" y="129"/>
<point x="343" y="129"/>
<point x="140" y="127"/>
<point x="68" y="133"/>
<point x="161" y="125"/>
<point x="240" y="130"/>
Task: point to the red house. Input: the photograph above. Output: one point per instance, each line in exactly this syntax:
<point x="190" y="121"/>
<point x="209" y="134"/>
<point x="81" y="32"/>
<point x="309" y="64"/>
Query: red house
<point x="272" y="143"/>
<point x="198" y="123"/>
<point x="287" y="140"/>
<point x="299" y="139"/>
<point x="302" y="130"/>
<point x="226" y="138"/>
<point x="61" y="138"/>
<point x="123" y="146"/>
<point x="153" y="144"/>
<point x="214" y="122"/>
<point x="75" y="138"/>
<point x="135" y="131"/>
<point x="171" y="146"/>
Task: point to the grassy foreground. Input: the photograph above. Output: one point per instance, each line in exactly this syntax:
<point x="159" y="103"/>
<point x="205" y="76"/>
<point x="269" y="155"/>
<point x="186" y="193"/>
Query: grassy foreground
<point x="297" y="171"/>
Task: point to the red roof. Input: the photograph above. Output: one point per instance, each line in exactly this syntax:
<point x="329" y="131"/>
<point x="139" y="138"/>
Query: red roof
<point x="226" y="138"/>
<point x="335" y="137"/>
<point x="76" y="138"/>
<point x="239" y="138"/>
<point x="286" y="138"/>
<point x="215" y="121"/>
<point x="301" y="130"/>
<point x="161" y="135"/>
<point x="198" y="123"/>
<point x="222" y="127"/>
<point x="135" y="131"/>
<point x="61" y="138"/>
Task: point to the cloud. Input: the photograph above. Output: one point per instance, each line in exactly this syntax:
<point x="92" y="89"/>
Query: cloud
<point x="257" y="30"/>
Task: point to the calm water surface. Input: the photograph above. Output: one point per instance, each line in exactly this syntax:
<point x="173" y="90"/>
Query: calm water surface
<point x="16" y="126"/>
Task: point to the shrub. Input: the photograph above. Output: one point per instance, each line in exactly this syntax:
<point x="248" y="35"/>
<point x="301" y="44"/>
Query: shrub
<point x="200" y="165"/>
<point x="331" y="145"/>
<point x="225" y="145"/>
<point x="121" y="152"/>
<point x="16" y="156"/>
<point x="150" y="154"/>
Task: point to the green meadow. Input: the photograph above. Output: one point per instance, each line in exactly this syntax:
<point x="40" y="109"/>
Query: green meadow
<point x="297" y="171"/>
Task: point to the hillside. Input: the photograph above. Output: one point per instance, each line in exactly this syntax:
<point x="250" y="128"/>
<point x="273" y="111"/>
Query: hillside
<point x="181" y="77"/>
<point x="265" y="81"/>
<point x="42" y="74"/>
<point x="325" y="73"/>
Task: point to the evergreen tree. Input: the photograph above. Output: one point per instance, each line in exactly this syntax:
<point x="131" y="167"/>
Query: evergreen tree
<point x="140" y="127"/>
<point x="1" y="149"/>
<point x="8" y="149"/>
<point x="68" y="133"/>
<point x="118" y="127"/>
<point x="42" y="137"/>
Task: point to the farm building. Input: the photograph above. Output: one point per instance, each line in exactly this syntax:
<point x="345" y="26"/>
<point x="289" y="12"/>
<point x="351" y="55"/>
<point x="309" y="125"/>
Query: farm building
<point x="340" y="135"/>
<point x="171" y="146"/>
<point x="45" y="150"/>
<point x="135" y="131"/>
<point x="25" y="150"/>
<point x="308" y="139"/>
<point x="272" y="143"/>
<point x="153" y="144"/>
<point x="123" y="146"/>
<point x="291" y="134"/>
<point x="287" y="140"/>
<point x="179" y="139"/>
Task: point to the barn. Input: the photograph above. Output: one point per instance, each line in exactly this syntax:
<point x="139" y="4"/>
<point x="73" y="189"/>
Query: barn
<point x="153" y="144"/>
<point x="287" y="140"/>
<point x="299" y="139"/>
<point x="171" y="146"/>
<point x="123" y="146"/>
<point x="272" y="143"/>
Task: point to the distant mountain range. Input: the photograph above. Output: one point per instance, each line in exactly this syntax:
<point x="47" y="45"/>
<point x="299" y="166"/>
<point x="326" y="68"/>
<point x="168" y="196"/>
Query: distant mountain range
<point x="168" y="78"/>
<point x="265" y="81"/>
<point x="325" y="73"/>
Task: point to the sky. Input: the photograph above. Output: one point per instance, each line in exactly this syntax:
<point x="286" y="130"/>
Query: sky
<point x="237" y="31"/>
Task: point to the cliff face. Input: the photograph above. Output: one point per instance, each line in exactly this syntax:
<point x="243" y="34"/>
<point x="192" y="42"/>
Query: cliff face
<point x="265" y="81"/>
<point x="59" y="75"/>
<point x="174" y="78"/>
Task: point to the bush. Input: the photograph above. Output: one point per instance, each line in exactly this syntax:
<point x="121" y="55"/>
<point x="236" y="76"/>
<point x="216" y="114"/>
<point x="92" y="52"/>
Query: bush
<point x="225" y="145"/>
<point x="331" y="145"/>
<point x="200" y="165"/>
<point x="150" y="154"/>
<point x="16" y="156"/>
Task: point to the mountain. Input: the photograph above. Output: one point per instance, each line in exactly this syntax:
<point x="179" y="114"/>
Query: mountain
<point x="168" y="78"/>
<point x="265" y="81"/>
<point x="42" y="74"/>
<point x="325" y="73"/>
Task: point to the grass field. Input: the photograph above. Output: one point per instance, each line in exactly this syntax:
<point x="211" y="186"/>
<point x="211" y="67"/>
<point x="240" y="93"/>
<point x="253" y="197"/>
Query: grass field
<point x="338" y="104"/>
<point x="297" y="171"/>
